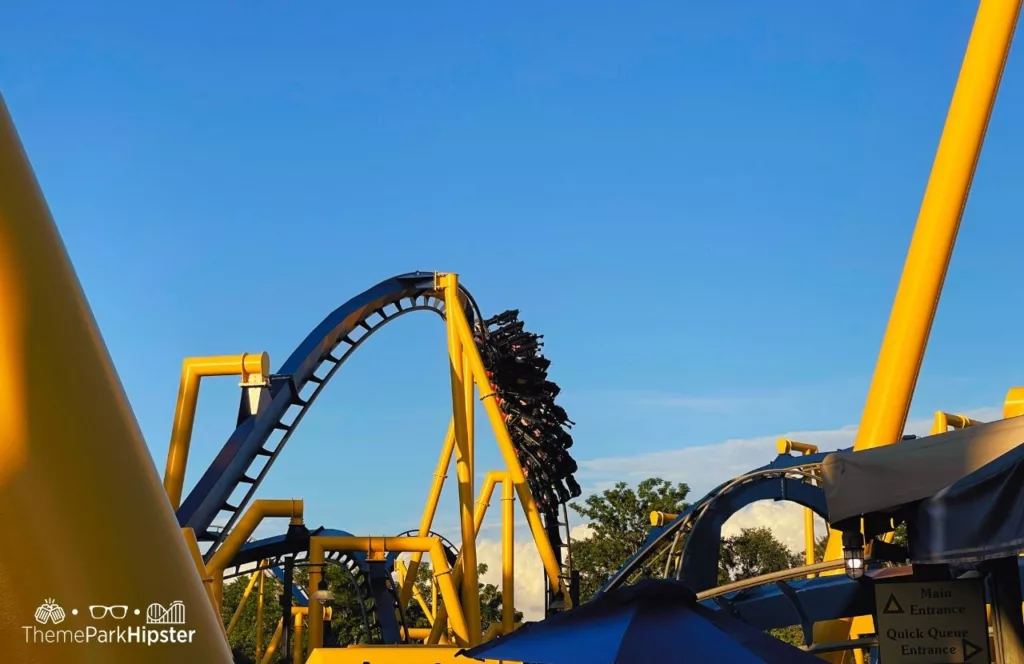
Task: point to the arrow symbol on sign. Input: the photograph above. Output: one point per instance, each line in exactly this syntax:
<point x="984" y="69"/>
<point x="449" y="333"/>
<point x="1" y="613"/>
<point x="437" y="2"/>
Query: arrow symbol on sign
<point x="970" y="650"/>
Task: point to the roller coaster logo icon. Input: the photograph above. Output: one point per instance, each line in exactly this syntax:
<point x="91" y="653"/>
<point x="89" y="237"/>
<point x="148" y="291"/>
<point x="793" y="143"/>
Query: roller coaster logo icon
<point x="157" y="614"/>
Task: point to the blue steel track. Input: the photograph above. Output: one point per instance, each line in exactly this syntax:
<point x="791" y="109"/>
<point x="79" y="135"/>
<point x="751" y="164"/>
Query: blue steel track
<point x="292" y="390"/>
<point x="231" y="480"/>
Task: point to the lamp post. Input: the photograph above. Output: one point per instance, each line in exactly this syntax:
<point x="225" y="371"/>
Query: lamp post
<point x="853" y="553"/>
<point x="325" y="597"/>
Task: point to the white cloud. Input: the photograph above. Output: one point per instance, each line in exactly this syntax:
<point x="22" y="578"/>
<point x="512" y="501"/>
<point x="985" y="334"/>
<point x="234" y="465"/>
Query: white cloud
<point x="786" y="521"/>
<point x="529" y="574"/>
<point x="704" y="467"/>
<point x="581" y="531"/>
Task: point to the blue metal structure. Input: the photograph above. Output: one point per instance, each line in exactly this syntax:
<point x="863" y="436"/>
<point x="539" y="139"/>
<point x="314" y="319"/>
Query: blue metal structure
<point x="802" y="601"/>
<point x="371" y="579"/>
<point x="291" y="392"/>
<point x="697" y="536"/>
<point x="694" y="537"/>
<point x="298" y="592"/>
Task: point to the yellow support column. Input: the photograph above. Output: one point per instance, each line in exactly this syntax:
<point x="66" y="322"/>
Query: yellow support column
<point x="246" y="365"/>
<point x="245" y="598"/>
<point x="461" y="385"/>
<point x="259" y="619"/>
<point x="275" y="641"/>
<point x="457" y="317"/>
<point x="938" y="221"/>
<point x="931" y="247"/>
<point x="73" y="462"/>
<point x="297" y="639"/>
<point x="441" y="614"/>
<point x="508" y="555"/>
<point x="427" y="520"/>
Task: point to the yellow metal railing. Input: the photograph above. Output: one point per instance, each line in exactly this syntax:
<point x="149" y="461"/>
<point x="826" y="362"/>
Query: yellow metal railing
<point x="253" y="369"/>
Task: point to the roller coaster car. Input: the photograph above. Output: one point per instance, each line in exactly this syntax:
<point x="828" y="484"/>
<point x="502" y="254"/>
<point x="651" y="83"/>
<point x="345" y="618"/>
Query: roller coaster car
<point x="518" y="375"/>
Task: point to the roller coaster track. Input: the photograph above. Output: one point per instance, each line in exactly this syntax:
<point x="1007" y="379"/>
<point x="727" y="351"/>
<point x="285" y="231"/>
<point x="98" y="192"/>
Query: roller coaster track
<point x="272" y="551"/>
<point x="233" y="477"/>
<point x="687" y="548"/>
<point x="251" y="450"/>
<point x="369" y="581"/>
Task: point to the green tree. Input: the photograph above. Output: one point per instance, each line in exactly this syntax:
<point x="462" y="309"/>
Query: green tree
<point x="243" y="636"/>
<point x="900" y="536"/>
<point x="753" y="552"/>
<point x="348" y="620"/>
<point x="490" y="600"/>
<point x="414" y="615"/>
<point x="821" y="542"/>
<point x="619" y="520"/>
<point x="347" y="625"/>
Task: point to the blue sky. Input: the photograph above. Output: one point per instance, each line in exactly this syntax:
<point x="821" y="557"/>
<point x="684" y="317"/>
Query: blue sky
<point x="717" y="197"/>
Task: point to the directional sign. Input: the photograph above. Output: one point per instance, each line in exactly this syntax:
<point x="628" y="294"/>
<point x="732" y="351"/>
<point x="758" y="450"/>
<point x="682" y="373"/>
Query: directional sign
<point x="932" y="623"/>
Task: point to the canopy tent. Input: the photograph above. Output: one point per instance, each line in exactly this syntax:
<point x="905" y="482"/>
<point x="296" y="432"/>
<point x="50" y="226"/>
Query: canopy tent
<point x="885" y="478"/>
<point x="980" y="517"/>
<point x="652" y="621"/>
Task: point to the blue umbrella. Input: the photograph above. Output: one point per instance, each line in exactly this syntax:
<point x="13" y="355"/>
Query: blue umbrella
<point x="654" y="620"/>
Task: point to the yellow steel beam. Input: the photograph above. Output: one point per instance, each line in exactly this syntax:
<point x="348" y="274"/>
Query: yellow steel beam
<point x="661" y="518"/>
<point x="943" y="421"/>
<point x="297" y="639"/>
<point x="461" y="385"/>
<point x="259" y="617"/>
<point x="275" y="640"/>
<point x="403" y="575"/>
<point x="1013" y="405"/>
<point x="427" y="520"/>
<point x="931" y="247"/>
<point x="437" y="628"/>
<point x="457" y="317"/>
<point x="508" y="554"/>
<point x="243" y="530"/>
<point x="415" y="633"/>
<point x="917" y="297"/>
<point x="72" y="459"/>
<point x="430" y="545"/>
<point x="245" y="598"/>
<point x="192" y="370"/>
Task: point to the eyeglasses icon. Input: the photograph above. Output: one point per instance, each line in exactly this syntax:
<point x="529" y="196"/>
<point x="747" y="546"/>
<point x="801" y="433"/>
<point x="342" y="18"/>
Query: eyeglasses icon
<point x="98" y="611"/>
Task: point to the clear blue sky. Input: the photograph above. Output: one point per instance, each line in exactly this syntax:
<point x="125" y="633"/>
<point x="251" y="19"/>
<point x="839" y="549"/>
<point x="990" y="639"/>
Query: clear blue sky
<point x="717" y="200"/>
